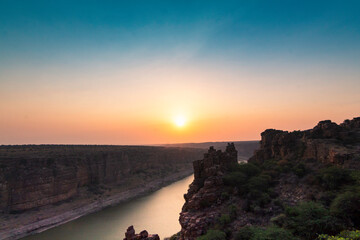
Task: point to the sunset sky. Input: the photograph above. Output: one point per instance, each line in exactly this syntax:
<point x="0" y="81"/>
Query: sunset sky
<point x="128" y="72"/>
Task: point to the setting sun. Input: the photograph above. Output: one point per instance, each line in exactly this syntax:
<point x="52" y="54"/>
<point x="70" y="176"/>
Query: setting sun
<point x="180" y="121"/>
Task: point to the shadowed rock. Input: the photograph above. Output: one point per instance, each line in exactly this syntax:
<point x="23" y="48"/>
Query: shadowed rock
<point x="144" y="235"/>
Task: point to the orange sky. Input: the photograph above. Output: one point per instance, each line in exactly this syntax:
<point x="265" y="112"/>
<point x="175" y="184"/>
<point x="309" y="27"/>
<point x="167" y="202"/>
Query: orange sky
<point x="119" y="72"/>
<point x="137" y="105"/>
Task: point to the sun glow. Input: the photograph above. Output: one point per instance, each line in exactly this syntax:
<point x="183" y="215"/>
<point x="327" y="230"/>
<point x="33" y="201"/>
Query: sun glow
<point x="180" y="121"/>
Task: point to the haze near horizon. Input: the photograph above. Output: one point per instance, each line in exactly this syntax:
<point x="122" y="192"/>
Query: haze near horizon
<point x="152" y="72"/>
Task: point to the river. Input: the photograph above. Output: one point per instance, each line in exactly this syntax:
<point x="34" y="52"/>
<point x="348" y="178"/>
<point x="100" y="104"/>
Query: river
<point x="157" y="212"/>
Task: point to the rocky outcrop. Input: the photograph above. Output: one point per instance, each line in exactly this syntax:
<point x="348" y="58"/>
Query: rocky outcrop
<point x="287" y="162"/>
<point x="327" y="142"/>
<point x="34" y="176"/>
<point x="205" y="191"/>
<point x="143" y="235"/>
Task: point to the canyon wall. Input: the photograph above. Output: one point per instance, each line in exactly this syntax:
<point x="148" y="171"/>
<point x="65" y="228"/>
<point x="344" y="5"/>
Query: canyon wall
<point x="32" y="176"/>
<point x="327" y="142"/>
<point x="287" y="169"/>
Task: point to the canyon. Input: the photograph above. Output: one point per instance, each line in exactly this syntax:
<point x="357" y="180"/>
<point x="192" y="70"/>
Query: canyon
<point x="42" y="186"/>
<point x="290" y="170"/>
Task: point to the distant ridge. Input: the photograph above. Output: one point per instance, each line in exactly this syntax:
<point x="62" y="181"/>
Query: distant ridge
<point x="245" y="148"/>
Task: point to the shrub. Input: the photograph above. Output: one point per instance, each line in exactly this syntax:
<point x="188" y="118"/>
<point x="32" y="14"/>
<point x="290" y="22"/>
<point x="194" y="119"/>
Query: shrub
<point x="248" y="169"/>
<point x="224" y="220"/>
<point x="344" y="235"/>
<point x="300" y="170"/>
<point x="233" y="211"/>
<point x="213" y="235"/>
<point x="259" y="183"/>
<point x="234" y="179"/>
<point x="355" y="176"/>
<point x="347" y="206"/>
<point x="309" y="219"/>
<point x="274" y="233"/>
<point x="225" y="196"/>
<point x="245" y="233"/>
<point x="332" y="178"/>
<point x="256" y="233"/>
<point x="175" y="236"/>
<point x="326" y="198"/>
<point x="279" y="220"/>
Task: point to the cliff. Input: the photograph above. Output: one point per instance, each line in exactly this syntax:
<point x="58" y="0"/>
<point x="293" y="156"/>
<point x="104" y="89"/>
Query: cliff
<point x="34" y="176"/>
<point x="313" y="173"/>
<point x="205" y="191"/>
<point x="43" y="186"/>
<point x="327" y="142"/>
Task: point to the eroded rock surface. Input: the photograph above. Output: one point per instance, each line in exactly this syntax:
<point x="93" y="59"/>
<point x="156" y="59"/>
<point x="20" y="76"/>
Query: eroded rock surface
<point x="205" y="191"/>
<point x="32" y="176"/>
<point x="143" y="235"/>
<point x="291" y="160"/>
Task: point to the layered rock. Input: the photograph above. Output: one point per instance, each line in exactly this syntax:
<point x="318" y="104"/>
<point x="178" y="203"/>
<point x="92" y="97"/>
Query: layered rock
<point x="34" y="176"/>
<point x="204" y="191"/>
<point x="327" y="142"/>
<point x="143" y="235"/>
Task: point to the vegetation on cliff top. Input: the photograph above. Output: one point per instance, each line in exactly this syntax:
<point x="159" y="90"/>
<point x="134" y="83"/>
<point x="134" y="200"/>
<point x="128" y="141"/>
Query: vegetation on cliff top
<point x="299" y="185"/>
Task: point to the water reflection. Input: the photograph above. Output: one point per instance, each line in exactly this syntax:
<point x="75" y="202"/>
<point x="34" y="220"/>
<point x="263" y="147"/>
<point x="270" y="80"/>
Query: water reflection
<point x="157" y="213"/>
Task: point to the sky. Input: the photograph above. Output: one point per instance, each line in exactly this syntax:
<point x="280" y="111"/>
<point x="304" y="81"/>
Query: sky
<point x="123" y="72"/>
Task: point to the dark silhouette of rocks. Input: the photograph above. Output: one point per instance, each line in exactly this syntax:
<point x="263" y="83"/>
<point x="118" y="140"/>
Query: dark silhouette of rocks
<point x="205" y="190"/>
<point x="144" y="235"/>
<point x="327" y="142"/>
<point x="295" y="154"/>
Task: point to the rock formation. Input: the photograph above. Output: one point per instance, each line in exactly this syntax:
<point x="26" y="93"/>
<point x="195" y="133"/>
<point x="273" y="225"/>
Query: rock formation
<point x="327" y="142"/>
<point x="205" y="191"/>
<point x="287" y="162"/>
<point x="143" y="235"/>
<point x="34" y="176"/>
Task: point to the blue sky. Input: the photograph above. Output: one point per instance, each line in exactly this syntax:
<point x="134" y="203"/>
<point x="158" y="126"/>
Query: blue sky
<point x="43" y="31"/>
<point x="274" y="64"/>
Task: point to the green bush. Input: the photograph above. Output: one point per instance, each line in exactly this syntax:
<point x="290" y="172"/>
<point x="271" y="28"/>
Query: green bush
<point x="233" y="210"/>
<point x="175" y="236"/>
<point x="213" y="235"/>
<point x="224" y="220"/>
<point x="248" y="169"/>
<point x="332" y="178"/>
<point x="235" y="179"/>
<point x="347" y="206"/>
<point x="309" y="219"/>
<point x="300" y="170"/>
<point x="327" y="197"/>
<point x="344" y="235"/>
<point x="259" y="183"/>
<point x="256" y="233"/>
<point x="355" y="176"/>
<point x="274" y="233"/>
<point x="245" y="233"/>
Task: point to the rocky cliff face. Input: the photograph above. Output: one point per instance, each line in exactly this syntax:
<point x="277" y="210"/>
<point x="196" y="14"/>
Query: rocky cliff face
<point x="205" y="191"/>
<point x="34" y="176"/>
<point x="327" y="142"/>
<point x="284" y="171"/>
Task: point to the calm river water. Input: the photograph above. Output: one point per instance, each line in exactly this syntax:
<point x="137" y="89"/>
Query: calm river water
<point x="157" y="212"/>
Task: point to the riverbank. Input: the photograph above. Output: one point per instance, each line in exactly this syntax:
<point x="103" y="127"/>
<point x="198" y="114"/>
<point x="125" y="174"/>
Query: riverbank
<point x="17" y="226"/>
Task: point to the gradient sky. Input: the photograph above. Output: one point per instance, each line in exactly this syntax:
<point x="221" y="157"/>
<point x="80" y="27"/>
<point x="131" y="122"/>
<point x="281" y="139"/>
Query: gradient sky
<point x="118" y="72"/>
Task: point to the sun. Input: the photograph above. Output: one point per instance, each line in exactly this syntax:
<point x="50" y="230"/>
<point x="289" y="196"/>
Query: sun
<point x="180" y="121"/>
